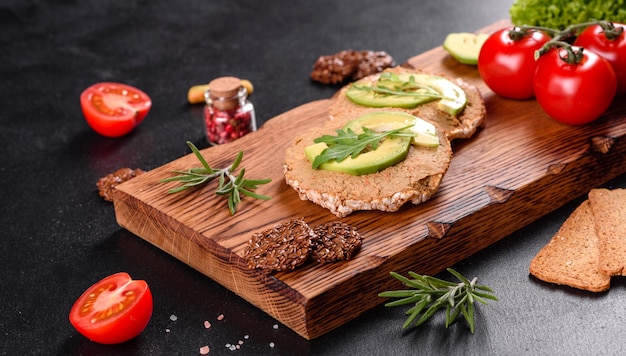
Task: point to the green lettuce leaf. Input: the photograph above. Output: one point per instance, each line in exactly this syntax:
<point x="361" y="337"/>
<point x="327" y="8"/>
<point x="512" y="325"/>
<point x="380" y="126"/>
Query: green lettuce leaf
<point x="559" y="14"/>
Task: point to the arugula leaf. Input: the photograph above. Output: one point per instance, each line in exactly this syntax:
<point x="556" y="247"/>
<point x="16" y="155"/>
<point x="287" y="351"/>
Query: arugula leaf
<point x="349" y="144"/>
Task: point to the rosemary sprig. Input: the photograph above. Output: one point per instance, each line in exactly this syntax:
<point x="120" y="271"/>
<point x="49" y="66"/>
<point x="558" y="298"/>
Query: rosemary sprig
<point x="229" y="184"/>
<point x="348" y="143"/>
<point x="430" y="294"/>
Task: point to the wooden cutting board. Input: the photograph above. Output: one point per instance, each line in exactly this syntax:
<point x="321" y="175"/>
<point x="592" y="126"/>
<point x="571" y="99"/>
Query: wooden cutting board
<point x="521" y="166"/>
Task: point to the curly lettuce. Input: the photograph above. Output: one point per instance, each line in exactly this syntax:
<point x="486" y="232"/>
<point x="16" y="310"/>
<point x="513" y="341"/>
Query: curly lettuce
<point x="559" y="14"/>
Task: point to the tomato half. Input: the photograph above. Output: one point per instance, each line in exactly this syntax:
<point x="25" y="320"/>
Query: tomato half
<point x="610" y="44"/>
<point x="506" y="61"/>
<point x="574" y="93"/>
<point x="114" y="109"/>
<point x="114" y="310"/>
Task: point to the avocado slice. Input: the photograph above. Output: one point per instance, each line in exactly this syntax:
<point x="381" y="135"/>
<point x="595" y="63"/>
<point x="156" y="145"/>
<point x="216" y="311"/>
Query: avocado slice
<point x="465" y="47"/>
<point x="412" y="90"/>
<point x="424" y="133"/>
<point x="389" y="152"/>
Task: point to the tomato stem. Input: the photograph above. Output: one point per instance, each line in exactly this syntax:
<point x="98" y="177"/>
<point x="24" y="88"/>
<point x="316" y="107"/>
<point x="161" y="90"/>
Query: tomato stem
<point x="574" y="54"/>
<point x="560" y="38"/>
<point x="611" y="32"/>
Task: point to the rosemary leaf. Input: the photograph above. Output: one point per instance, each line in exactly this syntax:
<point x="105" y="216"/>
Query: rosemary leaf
<point x="429" y="294"/>
<point x="228" y="183"/>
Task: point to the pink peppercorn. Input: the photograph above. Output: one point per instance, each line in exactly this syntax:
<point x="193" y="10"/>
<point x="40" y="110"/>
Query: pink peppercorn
<point x="228" y="114"/>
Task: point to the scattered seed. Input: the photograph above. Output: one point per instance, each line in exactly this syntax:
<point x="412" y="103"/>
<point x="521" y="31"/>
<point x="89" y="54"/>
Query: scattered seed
<point x="220" y="317"/>
<point x="207" y="324"/>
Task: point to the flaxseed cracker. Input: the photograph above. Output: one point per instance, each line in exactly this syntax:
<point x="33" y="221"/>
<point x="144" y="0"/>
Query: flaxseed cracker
<point x="283" y="247"/>
<point x="336" y="241"/>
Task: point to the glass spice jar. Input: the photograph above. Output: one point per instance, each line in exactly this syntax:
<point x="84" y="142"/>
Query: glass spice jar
<point x="228" y="114"/>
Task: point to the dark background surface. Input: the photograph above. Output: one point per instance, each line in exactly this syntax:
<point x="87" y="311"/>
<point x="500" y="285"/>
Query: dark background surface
<point x="59" y="236"/>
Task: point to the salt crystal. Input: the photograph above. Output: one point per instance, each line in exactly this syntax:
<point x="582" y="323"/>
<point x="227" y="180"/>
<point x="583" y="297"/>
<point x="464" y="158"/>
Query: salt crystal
<point x="204" y="350"/>
<point x="173" y="317"/>
<point x="271" y="344"/>
<point x="275" y="326"/>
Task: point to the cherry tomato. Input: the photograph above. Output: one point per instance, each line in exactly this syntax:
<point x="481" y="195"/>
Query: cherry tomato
<point x="610" y="44"/>
<point x="114" y="310"/>
<point x="574" y="93"/>
<point x="114" y="109"/>
<point x="506" y="61"/>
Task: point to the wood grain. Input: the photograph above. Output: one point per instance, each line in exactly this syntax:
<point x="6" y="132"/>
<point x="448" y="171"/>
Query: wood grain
<point x="521" y="166"/>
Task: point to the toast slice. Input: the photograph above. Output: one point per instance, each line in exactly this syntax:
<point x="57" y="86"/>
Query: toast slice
<point x="571" y="257"/>
<point x="609" y="210"/>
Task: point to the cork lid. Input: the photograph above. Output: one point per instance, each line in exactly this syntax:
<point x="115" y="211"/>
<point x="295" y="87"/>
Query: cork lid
<point x="224" y="92"/>
<point x="225" y="87"/>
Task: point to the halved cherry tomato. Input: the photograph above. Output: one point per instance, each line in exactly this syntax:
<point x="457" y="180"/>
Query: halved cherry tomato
<point x="114" y="109"/>
<point x="114" y="310"/>
<point x="506" y="61"/>
<point x="574" y="93"/>
<point x="609" y="41"/>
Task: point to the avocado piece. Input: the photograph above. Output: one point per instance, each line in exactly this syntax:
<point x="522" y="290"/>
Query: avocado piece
<point x="419" y="89"/>
<point x="454" y="98"/>
<point x="424" y="133"/>
<point x="464" y="46"/>
<point x="389" y="152"/>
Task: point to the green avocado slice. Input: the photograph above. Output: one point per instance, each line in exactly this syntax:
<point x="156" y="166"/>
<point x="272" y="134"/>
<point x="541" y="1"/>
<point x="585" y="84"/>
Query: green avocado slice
<point x="389" y="152"/>
<point x="408" y="90"/>
<point x="465" y="47"/>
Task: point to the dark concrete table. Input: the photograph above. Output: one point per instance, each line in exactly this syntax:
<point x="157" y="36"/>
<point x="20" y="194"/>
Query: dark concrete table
<point x="59" y="236"/>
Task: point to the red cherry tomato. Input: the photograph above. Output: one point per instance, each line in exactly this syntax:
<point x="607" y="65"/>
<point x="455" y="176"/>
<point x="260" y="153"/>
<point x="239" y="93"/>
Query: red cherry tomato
<point x="576" y="93"/>
<point x="114" y="109"/>
<point x="114" y="310"/>
<point x="506" y="61"/>
<point x="610" y="44"/>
